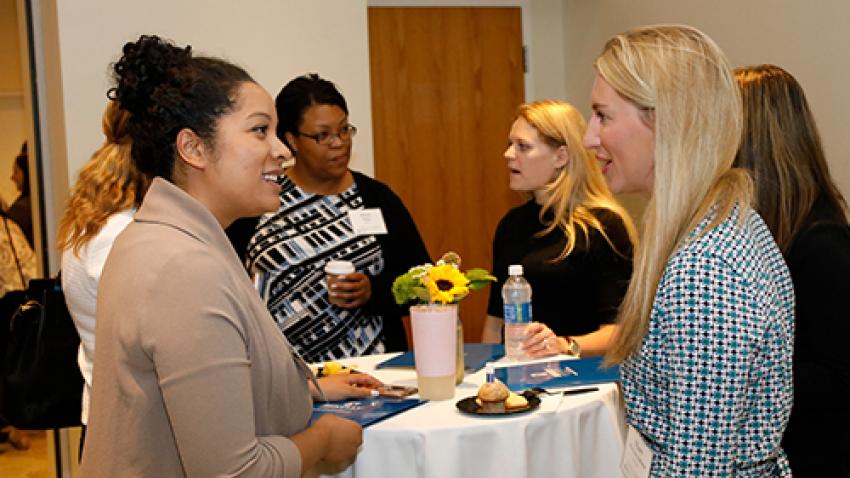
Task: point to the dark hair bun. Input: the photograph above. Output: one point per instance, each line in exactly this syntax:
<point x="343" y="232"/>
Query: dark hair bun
<point x="146" y="68"/>
<point x="165" y="89"/>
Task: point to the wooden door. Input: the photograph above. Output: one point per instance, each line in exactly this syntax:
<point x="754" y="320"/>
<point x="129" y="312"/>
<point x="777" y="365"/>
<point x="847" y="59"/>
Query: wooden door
<point x="446" y="83"/>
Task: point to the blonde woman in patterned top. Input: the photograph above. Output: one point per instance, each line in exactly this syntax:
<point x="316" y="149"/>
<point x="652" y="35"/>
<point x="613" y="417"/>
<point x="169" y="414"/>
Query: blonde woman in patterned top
<point x="707" y="324"/>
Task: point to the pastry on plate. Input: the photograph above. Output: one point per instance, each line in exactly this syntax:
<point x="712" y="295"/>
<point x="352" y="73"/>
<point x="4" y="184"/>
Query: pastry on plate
<point x="515" y="402"/>
<point x="491" y="397"/>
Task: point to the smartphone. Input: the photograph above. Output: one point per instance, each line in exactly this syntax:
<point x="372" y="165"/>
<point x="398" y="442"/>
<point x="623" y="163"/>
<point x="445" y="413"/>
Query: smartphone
<point x="396" y="391"/>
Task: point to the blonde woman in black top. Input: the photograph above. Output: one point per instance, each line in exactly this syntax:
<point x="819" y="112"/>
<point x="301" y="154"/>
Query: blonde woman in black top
<point x="572" y="237"/>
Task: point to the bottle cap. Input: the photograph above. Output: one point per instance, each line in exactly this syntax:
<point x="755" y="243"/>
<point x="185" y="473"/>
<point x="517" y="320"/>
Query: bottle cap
<point x="515" y="270"/>
<point x="339" y="267"/>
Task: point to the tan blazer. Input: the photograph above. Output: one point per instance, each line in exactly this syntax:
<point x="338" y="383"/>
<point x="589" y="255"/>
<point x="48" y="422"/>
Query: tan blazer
<point x="191" y="375"/>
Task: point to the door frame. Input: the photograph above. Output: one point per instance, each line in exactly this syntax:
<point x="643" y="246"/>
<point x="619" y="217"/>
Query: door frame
<point x="525" y="14"/>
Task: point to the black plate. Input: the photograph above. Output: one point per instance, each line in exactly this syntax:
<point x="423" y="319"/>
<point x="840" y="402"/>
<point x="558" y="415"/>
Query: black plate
<point x="469" y="405"/>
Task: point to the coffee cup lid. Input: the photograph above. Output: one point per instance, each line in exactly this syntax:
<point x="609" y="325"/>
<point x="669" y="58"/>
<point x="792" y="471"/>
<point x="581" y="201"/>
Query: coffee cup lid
<point x="339" y="267"/>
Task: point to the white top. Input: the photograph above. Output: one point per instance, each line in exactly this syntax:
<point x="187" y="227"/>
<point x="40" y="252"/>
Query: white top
<point x="515" y="270"/>
<point x="80" y="277"/>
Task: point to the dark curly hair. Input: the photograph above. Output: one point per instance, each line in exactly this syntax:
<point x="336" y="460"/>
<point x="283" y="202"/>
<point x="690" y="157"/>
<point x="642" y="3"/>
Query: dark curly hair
<point x="166" y="89"/>
<point x="297" y="96"/>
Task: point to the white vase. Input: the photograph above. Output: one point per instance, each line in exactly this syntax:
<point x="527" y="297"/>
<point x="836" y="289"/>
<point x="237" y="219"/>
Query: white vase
<point x="435" y="349"/>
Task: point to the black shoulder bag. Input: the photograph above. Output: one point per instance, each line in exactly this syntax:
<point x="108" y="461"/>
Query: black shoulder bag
<point x="42" y="384"/>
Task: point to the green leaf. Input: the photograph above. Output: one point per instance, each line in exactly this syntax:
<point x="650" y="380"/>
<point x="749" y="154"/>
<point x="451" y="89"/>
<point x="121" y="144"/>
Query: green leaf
<point x="479" y="274"/>
<point x="407" y="288"/>
<point x="421" y="293"/>
<point x="479" y="278"/>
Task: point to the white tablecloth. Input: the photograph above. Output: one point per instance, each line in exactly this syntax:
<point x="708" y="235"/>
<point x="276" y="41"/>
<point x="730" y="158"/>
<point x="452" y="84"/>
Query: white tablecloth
<point x="574" y="436"/>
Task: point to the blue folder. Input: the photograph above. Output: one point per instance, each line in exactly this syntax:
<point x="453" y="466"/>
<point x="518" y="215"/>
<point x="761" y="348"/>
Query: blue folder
<point x="475" y="356"/>
<point x="556" y="374"/>
<point x="367" y="411"/>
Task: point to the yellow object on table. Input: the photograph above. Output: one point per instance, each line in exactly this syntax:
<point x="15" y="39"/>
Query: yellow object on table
<point x="333" y="368"/>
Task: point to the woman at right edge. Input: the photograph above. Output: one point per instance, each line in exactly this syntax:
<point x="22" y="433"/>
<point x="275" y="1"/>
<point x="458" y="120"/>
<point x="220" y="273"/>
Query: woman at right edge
<point x="707" y="325"/>
<point x="802" y="206"/>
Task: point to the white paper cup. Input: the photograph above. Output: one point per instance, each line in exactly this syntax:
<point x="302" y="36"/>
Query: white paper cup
<point x="334" y="269"/>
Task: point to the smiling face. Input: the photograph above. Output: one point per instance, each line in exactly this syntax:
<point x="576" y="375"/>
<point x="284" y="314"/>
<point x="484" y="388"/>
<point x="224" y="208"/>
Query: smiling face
<point x="532" y="162"/>
<point x="320" y="163"/>
<point x="242" y="169"/>
<point x="623" y="142"/>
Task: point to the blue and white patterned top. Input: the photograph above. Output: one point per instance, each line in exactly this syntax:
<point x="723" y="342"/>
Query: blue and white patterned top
<point x="710" y="389"/>
<point x="288" y="254"/>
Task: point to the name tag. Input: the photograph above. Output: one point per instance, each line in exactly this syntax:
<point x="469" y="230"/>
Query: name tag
<point x="637" y="457"/>
<point x="367" y="221"/>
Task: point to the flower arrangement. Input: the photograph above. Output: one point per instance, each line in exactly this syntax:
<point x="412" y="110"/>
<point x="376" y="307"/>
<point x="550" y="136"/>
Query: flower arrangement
<point x="442" y="282"/>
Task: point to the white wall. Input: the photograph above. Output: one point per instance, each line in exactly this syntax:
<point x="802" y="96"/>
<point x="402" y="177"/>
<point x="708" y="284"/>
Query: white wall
<point x="809" y="39"/>
<point x="274" y="40"/>
<point x="547" y="58"/>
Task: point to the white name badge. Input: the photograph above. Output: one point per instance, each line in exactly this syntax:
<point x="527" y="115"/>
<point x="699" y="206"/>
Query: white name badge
<point x="637" y="457"/>
<point x="367" y="221"/>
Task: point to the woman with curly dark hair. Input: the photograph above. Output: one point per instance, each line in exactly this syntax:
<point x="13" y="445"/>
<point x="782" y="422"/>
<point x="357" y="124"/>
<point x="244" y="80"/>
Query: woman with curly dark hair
<point x="191" y="376"/>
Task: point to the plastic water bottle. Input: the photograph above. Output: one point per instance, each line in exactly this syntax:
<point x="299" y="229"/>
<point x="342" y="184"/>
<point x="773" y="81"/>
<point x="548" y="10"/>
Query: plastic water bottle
<point x="516" y="296"/>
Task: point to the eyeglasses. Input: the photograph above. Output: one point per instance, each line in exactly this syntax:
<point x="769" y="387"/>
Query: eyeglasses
<point x="326" y="138"/>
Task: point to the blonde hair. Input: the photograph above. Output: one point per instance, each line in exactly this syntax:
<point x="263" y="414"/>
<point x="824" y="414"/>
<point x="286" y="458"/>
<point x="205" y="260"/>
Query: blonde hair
<point x="682" y="83"/>
<point x="782" y="148"/>
<point x="108" y="183"/>
<point x="579" y="187"/>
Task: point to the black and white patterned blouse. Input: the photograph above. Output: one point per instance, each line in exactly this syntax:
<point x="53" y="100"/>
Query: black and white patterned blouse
<point x="710" y="389"/>
<point x="287" y="256"/>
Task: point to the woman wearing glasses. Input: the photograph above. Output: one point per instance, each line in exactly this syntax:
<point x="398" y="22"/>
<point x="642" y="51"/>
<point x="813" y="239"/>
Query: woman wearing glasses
<point x="328" y="212"/>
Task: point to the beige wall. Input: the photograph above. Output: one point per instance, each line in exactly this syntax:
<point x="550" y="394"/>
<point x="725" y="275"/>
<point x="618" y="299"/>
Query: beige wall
<point x="12" y="119"/>
<point x="809" y="39"/>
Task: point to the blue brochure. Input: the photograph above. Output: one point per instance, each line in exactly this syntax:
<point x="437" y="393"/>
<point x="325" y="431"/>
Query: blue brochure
<point x="474" y="357"/>
<point x="556" y="373"/>
<point x="367" y="411"/>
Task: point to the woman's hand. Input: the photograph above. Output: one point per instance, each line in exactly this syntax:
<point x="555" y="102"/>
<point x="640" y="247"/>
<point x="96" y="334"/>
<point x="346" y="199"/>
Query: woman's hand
<point x="330" y="442"/>
<point x="540" y="341"/>
<point x="348" y="385"/>
<point x="344" y="438"/>
<point x="351" y="290"/>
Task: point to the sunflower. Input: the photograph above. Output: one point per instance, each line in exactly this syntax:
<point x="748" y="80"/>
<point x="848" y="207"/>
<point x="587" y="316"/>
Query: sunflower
<point x="446" y="284"/>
